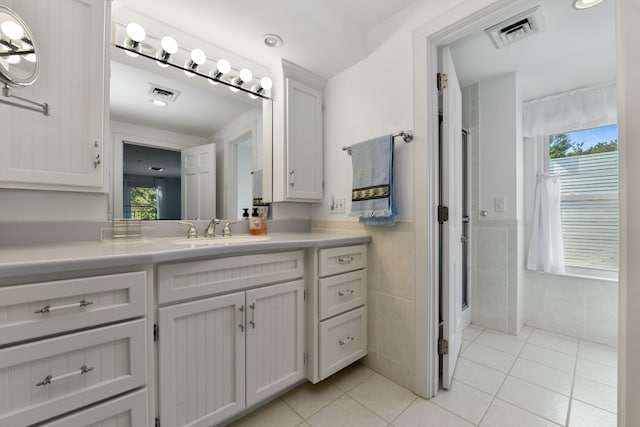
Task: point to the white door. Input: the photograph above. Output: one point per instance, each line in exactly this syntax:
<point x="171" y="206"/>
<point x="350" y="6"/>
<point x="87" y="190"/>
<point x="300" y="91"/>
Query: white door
<point x="199" y="182"/>
<point x="201" y="350"/>
<point x="275" y="339"/>
<point x="451" y="196"/>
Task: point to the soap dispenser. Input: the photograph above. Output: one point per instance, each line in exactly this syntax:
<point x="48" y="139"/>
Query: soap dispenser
<point x="254" y="223"/>
<point x="245" y="214"/>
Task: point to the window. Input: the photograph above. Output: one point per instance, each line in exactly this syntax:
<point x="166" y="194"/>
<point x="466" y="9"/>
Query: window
<point x="587" y="162"/>
<point x="143" y="203"/>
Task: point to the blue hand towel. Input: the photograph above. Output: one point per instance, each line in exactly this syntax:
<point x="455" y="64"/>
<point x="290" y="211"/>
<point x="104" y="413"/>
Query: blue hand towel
<point x="372" y="197"/>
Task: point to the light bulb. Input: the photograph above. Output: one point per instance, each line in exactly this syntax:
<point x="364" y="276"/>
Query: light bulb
<point x="12" y="30"/>
<point x="158" y="102"/>
<point x="246" y="75"/>
<point x="135" y="32"/>
<point x="31" y="57"/>
<point x="266" y="83"/>
<point x="234" y="89"/>
<point x="169" y="45"/>
<point x="198" y="56"/>
<point x="585" y="4"/>
<point x="223" y="66"/>
<point x="13" y="59"/>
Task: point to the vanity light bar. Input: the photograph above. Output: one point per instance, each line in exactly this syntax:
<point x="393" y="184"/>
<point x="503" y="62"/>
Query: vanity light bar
<point x="191" y="68"/>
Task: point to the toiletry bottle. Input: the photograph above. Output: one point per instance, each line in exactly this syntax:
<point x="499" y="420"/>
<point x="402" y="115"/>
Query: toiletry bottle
<point x="254" y="222"/>
<point x="245" y="214"/>
<point x="263" y="223"/>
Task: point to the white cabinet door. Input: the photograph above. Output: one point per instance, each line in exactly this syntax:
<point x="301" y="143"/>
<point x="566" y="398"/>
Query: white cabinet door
<point x="202" y="361"/>
<point x="275" y="339"/>
<point x="304" y="150"/>
<point x="62" y="151"/>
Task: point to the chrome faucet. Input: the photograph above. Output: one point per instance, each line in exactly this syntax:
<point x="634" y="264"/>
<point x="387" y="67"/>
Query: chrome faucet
<point x="210" y="231"/>
<point x="226" y="231"/>
<point x="192" y="231"/>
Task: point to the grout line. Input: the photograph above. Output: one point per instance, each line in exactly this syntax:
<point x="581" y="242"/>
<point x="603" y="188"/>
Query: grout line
<point x="404" y="410"/>
<point x="573" y="382"/>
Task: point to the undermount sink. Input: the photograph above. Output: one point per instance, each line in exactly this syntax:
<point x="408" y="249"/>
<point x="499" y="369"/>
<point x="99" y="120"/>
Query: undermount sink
<point x="217" y="241"/>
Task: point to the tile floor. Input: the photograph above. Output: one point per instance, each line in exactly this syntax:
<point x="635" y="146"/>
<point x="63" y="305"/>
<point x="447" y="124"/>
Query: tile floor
<point x="537" y="379"/>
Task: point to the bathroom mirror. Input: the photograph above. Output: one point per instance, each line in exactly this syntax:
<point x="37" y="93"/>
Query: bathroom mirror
<point x="159" y="113"/>
<point x="18" y="50"/>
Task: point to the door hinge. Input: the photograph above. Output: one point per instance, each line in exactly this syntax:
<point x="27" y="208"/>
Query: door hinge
<point x="443" y="81"/>
<point x="157" y="422"/>
<point x="155" y="334"/>
<point x="443" y="346"/>
<point x="443" y="214"/>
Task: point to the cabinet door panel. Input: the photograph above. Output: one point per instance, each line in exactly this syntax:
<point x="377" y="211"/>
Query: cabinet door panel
<point x="201" y="361"/>
<point x="275" y="340"/>
<point x="304" y="142"/>
<point x="58" y="151"/>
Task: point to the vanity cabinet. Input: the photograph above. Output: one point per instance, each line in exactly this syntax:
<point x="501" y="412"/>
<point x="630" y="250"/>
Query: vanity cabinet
<point x="240" y="342"/>
<point x="62" y="151"/>
<point x="70" y="343"/>
<point x="298" y="145"/>
<point x="337" y="326"/>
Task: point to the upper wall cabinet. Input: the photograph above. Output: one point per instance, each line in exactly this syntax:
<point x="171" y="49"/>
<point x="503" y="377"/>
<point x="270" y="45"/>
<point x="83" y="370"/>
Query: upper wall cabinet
<point x="298" y="140"/>
<point x="64" y="150"/>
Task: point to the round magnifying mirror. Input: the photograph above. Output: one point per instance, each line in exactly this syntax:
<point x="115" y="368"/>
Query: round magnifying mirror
<point x="18" y="50"/>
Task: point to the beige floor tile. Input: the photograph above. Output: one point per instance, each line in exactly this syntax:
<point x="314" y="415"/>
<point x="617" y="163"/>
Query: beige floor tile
<point x="583" y="415"/>
<point x="552" y="341"/>
<point x="596" y="394"/>
<point x="382" y="396"/>
<point x="540" y="401"/>
<point x="490" y="357"/>
<point x="274" y="414"/>
<point x="422" y="413"/>
<point x="346" y="412"/>
<point x="503" y="414"/>
<point x="597" y="372"/>
<point x="471" y="332"/>
<point x="478" y="376"/>
<point x="309" y="398"/>
<point x="599" y="353"/>
<point x="464" y="401"/>
<point x="499" y="341"/>
<point x="547" y="357"/>
<point x="544" y="376"/>
<point x="524" y="333"/>
<point x="350" y="377"/>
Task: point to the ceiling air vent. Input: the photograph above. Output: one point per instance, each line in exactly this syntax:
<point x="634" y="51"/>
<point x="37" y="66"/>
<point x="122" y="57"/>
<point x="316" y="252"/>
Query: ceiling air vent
<point x="163" y="93"/>
<point x="517" y="27"/>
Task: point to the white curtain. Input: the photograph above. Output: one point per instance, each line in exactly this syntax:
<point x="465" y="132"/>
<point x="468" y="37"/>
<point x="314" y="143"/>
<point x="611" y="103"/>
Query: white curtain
<point x="545" y="246"/>
<point x="568" y="111"/>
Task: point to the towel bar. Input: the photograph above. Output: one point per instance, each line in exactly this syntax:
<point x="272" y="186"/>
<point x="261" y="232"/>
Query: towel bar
<point x="407" y="136"/>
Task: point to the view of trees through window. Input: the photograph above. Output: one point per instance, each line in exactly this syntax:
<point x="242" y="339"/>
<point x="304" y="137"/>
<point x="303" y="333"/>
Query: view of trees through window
<point x="143" y="203"/>
<point x="587" y="162"/>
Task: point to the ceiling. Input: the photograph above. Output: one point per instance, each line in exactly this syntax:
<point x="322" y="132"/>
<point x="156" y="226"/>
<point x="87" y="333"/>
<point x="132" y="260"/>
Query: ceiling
<point x="327" y="36"/>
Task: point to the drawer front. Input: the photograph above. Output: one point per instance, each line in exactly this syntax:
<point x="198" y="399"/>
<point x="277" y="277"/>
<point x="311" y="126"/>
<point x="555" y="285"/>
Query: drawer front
<point x="51" y="377"/>
<point x="39" y="309"/>
<point x="342" y="293"/>
<point x="127" y="411"/>
<point x="340" y="260"/>
<point x="343" y="340"/>
<point x="192" y="279"/>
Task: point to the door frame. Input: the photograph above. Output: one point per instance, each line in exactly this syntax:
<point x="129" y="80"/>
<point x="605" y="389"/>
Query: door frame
<point x="427" y="39"/>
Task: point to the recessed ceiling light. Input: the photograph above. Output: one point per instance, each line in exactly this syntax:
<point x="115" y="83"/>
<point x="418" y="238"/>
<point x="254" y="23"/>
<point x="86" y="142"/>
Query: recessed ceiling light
<point x="585" y="4"/>
<point x="158" y="102"/>
<point x="272" y="40"/>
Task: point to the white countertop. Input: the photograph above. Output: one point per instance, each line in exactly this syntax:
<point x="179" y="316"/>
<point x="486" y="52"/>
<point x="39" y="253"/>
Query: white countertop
<point x="54" y="258"/>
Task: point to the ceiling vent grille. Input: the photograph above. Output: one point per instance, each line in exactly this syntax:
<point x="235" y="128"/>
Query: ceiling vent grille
<point x="517" y="27"/>
<point x="164" y="93"/>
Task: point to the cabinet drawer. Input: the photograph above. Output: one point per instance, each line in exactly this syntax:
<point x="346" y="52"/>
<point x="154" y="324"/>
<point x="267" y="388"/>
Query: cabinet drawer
<point x="38" y="309"/>
<point x="200" y="278"/>
<point x="51" y="377"/>
<point x="340" y="260"/>
<point x="127" y="411"/>
<point x="343" y="340"/>
<point x="342" y="293"/>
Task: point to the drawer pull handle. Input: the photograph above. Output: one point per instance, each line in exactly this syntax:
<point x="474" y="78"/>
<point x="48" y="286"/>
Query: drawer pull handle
<point x="345" y="260"/>
<point x="253" y="315"/>
<point x="241" y="324"/>
<point x="49" y="379"/>
<point x="347" y="340"/>
<point x="49" y="309"/>
<point x="347" y="292"/>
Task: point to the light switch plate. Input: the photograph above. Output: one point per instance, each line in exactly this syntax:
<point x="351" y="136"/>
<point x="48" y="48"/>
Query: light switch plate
<point x="499" y="204"/>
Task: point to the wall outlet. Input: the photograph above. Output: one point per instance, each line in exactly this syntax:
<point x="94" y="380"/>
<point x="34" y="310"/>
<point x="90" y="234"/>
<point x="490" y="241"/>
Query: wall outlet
<point x="338" y="205"/>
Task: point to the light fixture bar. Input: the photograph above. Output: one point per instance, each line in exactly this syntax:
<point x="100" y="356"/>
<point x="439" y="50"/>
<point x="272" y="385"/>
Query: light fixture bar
<point x="195" y="72"/>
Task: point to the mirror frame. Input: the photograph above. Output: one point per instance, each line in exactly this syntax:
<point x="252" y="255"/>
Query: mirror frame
<point x="7" y="77"/>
